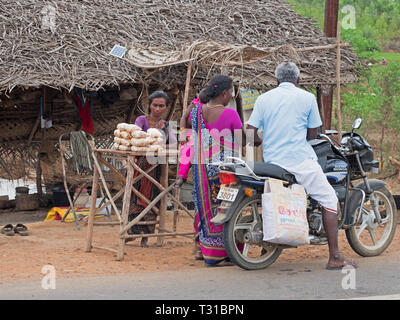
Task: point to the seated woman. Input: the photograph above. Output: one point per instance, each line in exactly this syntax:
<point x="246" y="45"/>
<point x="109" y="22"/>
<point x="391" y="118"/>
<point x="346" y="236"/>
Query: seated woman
<point x="158" y="101"/>
<point x="214" y="128"/>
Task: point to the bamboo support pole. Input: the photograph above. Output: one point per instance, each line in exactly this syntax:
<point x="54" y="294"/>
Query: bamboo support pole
<point x="125" y="207"/>
<point x="92" y="209"/>
<point x="164" y="202"/>
<point x="105" y="248"/>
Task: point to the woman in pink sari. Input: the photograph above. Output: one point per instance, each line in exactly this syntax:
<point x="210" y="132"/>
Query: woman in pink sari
<point x="213" y="127"/>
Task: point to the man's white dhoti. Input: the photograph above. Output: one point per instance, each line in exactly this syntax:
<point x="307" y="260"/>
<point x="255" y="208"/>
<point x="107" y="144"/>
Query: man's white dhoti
<point x="309" y="174"/>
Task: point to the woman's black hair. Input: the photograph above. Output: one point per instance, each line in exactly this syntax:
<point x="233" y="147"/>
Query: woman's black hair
<point x="216" y="86"/>
<point x="159" y="94"/>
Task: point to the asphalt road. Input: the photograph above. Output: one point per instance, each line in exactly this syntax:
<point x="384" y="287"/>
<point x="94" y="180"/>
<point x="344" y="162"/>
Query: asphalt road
<point x="377" y="277"/>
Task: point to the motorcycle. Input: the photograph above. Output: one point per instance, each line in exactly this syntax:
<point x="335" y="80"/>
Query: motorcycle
<point x="366" y="211"/>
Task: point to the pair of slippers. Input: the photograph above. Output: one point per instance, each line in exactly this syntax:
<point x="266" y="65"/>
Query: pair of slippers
<point x="10" y="230"/>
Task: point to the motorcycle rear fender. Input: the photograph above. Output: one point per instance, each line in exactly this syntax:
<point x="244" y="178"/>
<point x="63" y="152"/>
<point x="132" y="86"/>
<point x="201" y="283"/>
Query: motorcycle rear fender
<point x="240" y="197"/>
<point x="356" y="196"/>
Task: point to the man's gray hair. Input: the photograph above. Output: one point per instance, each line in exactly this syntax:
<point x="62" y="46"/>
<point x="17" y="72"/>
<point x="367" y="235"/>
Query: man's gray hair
<point x="287" y="72"/>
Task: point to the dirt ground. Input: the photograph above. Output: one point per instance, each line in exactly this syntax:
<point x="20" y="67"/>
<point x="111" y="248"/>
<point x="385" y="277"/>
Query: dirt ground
<point x="63" y="246"/>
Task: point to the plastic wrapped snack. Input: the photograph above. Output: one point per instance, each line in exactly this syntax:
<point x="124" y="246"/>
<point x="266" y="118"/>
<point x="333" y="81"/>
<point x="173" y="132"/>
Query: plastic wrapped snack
<point x="117" y="133"/>
<point x="122" y="126"/>
<point x="125" y="142"/>
<point x="125" y="135"/>
<point x="160" y="142"/>
<point x="155" y="148"/>
<point x="139" y="149"/>
<point x="117" y="140"/>
<point x="139" y="134"/>
<point x="131" y="128"/>
<point x="154" y="133"/>
<point x="116" y="146"/>
<point x="152" y="140"/>
<point x="140" y="142"/>
<point x="123" y="148"/>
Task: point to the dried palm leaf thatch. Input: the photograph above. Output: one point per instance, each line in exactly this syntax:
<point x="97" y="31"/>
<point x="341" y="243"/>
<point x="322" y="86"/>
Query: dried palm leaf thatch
<point x="65" y="43"/>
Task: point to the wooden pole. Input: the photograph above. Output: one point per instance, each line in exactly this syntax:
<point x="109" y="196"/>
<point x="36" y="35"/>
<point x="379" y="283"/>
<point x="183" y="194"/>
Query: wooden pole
<point x="331" y="18"/>
<point x="330" y="29"/>
<point x="93" y="197"/>
<point x="187" y="87"/>
<point x="164" y="200"/>
<point x="339" y="111"/>
<point x="125" y="206"/>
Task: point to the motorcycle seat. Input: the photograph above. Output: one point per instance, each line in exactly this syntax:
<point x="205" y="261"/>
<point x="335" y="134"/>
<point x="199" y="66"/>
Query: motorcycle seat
<point x="273" y="171"/>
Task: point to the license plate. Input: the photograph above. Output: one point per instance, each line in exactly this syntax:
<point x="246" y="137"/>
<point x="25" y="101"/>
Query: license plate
<point x="227" y="194"/>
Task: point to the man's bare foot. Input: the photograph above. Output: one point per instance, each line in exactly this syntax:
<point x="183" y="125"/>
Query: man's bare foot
<point x="338" y="261"/>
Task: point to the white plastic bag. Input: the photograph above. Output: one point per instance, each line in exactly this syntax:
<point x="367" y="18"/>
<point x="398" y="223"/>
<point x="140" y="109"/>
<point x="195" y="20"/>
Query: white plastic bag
<point x="284" y="212"/>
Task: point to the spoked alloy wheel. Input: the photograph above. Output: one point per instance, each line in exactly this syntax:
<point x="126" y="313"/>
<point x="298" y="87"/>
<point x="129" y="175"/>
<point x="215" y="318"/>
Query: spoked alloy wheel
<point x="369" y="238"/>
<point x="241" y="237"/>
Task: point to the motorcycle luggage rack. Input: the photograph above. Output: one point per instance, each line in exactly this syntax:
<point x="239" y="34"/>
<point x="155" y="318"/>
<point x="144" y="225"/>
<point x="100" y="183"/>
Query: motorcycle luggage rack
<point x="244" y="164"/>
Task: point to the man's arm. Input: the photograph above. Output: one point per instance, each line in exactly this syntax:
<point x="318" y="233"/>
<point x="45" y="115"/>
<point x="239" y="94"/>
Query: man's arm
<point x="251" y="136"/>
<point x="312" y="133"/>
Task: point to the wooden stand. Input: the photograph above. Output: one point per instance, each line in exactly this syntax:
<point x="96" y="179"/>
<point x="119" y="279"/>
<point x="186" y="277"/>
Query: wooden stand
<point x="128" y="158"/>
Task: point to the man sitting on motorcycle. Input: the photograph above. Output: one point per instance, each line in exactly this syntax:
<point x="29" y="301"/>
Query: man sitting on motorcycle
<point x="289" y="117"/>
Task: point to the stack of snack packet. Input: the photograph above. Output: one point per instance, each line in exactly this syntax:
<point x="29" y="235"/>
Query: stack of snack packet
<point x="130" y="137"/>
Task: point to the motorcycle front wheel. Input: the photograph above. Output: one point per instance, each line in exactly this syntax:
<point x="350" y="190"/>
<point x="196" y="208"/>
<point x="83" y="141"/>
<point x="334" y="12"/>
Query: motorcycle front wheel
<point x="367" y="237"/>
<point x="247" y="220"/>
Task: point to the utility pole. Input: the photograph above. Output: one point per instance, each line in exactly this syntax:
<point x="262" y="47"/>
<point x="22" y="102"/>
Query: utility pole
<point x="330" y="29"/>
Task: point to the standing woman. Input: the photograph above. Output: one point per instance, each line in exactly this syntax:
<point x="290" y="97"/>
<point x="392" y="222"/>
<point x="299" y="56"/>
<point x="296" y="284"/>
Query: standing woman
<point x="158" y="102"/>
<point x="213" y="128"/>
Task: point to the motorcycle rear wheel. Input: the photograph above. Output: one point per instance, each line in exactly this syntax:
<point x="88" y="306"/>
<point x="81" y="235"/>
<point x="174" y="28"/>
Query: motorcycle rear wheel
<point x="367" y="238"/>
<point x="248" y="218"/>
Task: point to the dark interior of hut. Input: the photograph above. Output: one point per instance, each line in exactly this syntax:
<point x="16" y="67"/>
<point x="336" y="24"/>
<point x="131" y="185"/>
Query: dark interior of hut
<point x="32" y="120"/>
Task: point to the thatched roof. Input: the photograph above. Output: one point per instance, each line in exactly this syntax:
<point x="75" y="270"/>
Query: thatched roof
<point x="75" y="51"/>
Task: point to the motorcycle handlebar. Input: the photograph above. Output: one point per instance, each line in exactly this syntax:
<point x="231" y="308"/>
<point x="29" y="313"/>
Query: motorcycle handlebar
<point x="356" y="144"/>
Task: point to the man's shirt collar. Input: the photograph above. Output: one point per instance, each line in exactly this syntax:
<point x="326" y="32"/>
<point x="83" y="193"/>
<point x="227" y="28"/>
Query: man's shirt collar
<point x="287" y="85"/>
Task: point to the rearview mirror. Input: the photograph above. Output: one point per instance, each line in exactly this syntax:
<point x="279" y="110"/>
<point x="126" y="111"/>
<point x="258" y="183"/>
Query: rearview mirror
<point x="357" y="123"/>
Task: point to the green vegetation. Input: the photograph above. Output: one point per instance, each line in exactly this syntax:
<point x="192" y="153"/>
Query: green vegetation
<point x="376" y="97"/>
<point x="376" y="25"/>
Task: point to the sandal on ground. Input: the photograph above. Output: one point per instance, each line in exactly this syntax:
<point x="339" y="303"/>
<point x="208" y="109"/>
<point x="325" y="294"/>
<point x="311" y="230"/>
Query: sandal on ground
<point x="21" y="230"/>
<point x="346" y="262"/>
<point x="8" y="230"/>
